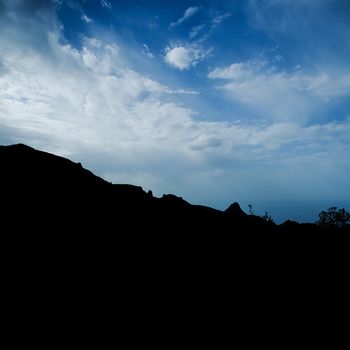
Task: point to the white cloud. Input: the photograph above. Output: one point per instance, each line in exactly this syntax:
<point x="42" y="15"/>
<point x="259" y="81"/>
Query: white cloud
<point x="179" y="57"/>
<point x="281" y="95"/>
<point x="86" y="19"/>
<point x="106" y="4"/>
<point x="234" y="71"/>
<point x="215" y="22"/>
<point x="185" y="57"/>
<point x="219" y="19"/>
<point x="146" y="51"/>
<point x="87" y="104"/>
<point x="191" y="11"/>
<point x="183" y="92"/>
<point x="196" y="30"/>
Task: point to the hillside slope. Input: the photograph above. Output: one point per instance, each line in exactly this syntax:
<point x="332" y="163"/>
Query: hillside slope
<point x="48" y="193"/>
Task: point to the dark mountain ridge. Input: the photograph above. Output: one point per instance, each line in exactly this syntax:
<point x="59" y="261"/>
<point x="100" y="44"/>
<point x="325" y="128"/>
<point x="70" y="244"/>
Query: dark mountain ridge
<point x="43" y="187"/>
<point x="73" y="241"/>
<point x="55" y="209"/>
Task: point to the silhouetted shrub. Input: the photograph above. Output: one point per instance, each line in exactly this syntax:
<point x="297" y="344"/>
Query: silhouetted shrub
<point x="268" y="218"/>
<point x="251" y="211"/>
<point x="334" y="217"/>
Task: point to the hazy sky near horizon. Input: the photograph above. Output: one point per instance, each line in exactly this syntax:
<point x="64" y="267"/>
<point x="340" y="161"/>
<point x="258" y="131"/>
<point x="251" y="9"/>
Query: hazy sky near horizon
<point x="215" y="101"/>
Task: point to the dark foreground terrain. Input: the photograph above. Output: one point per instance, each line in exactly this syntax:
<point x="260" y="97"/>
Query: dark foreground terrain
<point x="83" y="253"/>
<point x="48" y="194"/>
<point x="52" y="203"/>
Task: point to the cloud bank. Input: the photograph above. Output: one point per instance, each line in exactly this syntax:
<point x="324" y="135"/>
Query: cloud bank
<point x="279" y="94"/>
<point x="83" y="104"/>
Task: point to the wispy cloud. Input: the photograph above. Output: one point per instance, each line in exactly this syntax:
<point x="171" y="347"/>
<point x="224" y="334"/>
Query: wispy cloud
<point x="281" y="95"/>
<point x="86" y="104"/>
<point x="86" y="19"/>
<point x="106" y="3"/>
<point x="183" y="92"/>
<point x="212" y="26"/>
<point x="184" y="57"/>
<point x="196" y="30"/>
<point x="191" y="11"/>
<point x="146" y="50"/>
<point x="219" y="19"/>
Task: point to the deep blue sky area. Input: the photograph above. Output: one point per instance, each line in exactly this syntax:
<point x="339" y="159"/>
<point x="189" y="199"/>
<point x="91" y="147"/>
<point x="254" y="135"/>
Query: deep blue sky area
<point x="215" y="101"/>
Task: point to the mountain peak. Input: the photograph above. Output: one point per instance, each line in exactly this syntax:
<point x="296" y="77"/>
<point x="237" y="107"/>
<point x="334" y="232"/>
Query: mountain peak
<point x="19" y="147"/>
<point x="235" y="210"/>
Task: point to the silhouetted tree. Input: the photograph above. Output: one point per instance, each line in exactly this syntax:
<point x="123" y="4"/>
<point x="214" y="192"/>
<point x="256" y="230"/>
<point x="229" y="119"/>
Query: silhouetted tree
<point x="334" y="217"/>
<point x="251" y="211"/>
<point x="268" y="218"/>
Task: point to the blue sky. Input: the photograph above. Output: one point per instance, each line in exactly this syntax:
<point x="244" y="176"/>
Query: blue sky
<point x="215" y="101"/>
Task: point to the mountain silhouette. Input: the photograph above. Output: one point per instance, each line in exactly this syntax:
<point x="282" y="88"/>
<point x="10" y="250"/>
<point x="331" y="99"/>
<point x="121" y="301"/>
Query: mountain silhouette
<point x="51" y="205"/>
<point x="39" y="187"/>
<point x="72" y="241"/>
